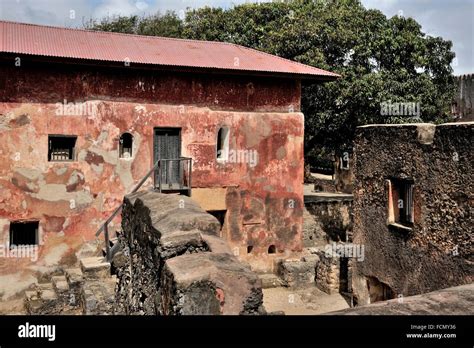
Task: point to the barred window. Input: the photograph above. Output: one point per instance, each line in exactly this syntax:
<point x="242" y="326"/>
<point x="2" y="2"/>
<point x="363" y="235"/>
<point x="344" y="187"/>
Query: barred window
<point x="126" y="145"/>
<point x="61" y="147"/>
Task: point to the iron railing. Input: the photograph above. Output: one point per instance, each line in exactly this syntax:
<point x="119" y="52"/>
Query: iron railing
<point x="174" y="175"/>
<point x="167" y="177"/>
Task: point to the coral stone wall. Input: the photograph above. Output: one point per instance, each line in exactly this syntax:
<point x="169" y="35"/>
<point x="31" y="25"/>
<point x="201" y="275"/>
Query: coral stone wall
<point x="71" y="200"/>
<point x="436" y="252"/>
<point x="176" y="264"/>
<point x="463" y="108"/>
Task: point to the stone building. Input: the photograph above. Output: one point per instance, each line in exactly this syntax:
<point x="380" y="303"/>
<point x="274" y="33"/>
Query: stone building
<point x="84" y="116"/>
<point x="462" y="108"/>
<point x="413" y="209"/>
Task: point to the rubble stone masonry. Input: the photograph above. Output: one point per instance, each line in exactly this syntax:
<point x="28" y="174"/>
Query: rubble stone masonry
<point x="172" y="262"/>
<point x="435" y="251"/>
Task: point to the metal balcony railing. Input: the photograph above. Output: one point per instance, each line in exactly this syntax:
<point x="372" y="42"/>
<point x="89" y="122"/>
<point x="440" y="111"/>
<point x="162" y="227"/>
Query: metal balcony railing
<point x="174" y="175"/>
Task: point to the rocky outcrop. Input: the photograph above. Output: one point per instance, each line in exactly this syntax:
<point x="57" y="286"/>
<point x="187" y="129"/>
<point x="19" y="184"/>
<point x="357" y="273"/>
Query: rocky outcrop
<point x="451" y="301"/>
<point x="172" y="261"/>
<point x="87" y="289"/>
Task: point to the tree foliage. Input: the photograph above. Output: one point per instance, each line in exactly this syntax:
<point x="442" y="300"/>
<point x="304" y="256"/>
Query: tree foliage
<point x="380" y="59"/>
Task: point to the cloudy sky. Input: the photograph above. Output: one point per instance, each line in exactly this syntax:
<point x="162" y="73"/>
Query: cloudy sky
<point x="450" y="19"/>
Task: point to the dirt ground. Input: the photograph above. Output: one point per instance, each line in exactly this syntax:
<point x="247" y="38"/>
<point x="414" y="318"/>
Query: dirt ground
<point x="12" y="307"/>
<point x="308" y="301"/>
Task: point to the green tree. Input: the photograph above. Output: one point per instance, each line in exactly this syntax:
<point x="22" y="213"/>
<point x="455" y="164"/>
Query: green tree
<point x="166" y="25"/>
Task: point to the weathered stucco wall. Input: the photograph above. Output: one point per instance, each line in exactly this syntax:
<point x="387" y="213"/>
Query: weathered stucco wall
<point x="71" y="199"/>
<point x="438" y="250"/>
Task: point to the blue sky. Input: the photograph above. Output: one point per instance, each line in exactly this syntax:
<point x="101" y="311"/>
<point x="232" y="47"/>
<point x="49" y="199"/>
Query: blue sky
<point x="450" y="19"/>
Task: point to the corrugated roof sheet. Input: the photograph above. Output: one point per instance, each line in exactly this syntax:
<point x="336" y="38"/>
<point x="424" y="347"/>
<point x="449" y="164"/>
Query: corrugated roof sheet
<point x="49" y="41"/>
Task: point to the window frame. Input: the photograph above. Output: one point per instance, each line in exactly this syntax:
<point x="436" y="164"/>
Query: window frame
<point x="222" y="155"/>
<point x="18" y="222"/>
<point x="121" y="147"/>
<point x="72" y="151"/>
<point x="401" y="189"/>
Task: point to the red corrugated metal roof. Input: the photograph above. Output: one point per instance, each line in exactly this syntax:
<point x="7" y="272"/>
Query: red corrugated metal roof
<point x="49" y="41"/>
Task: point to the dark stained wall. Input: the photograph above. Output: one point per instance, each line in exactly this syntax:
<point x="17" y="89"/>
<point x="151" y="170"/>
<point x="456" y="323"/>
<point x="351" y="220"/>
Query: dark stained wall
<point x="438" y="250"/>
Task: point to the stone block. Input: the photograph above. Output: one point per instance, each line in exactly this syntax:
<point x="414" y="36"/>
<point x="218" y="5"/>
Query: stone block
<point x="95" y="267"/>
<point x="208" y="283"/>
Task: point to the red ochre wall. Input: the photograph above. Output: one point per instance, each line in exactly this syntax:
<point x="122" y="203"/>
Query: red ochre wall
<point x="72" y="199"/>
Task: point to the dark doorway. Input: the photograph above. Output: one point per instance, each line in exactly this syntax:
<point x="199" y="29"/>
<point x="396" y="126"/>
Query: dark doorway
<point x="219" y="215"/>
<point x="344" y="275"/>
<point x="379" y="291"/>
<point x="167" y="146"/>
<point x="24" y="233"/>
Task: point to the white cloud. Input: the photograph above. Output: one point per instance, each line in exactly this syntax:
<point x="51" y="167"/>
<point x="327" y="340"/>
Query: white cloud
<point x="47" y="12"/>
<point x="119" y="7"/>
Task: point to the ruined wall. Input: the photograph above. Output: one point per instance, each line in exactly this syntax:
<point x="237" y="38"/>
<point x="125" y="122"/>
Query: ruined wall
<point x="344" y="172"/>
<point x="72" y="199"/>
<point x="327" y="274"/>
<point x="327" y="219"/>
<point x="172" y="262"/>
<point x="436" y="252"/>
<point x="463" y="107"/>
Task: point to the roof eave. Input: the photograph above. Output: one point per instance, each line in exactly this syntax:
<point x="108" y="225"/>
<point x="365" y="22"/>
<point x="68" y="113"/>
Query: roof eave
<point x="143" y="66"/>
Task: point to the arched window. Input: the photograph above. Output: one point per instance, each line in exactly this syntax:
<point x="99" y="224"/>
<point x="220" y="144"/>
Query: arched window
<point x="222" y="148"/>
<point x="125" y="145"/>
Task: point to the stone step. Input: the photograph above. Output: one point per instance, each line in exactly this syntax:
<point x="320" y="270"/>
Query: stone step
<point x="98" y="296"/>
<point x="270" y="280"/>
<point x="95" y="267"/>
<point x="44" y="286"/>
<point x="73" y="276"/>
<point x="44" y="301"/>
<point x="75" y="280"/>
<point x="60" y="284"/>
<point x="61" y="287"/>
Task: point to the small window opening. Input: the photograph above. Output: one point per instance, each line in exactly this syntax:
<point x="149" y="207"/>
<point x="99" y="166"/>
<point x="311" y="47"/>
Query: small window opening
<point x="222" y="147"/>
<point x="24" y="233"/>
<point x="61" y="147"/>
<point x="271" y="249"/>
<point x="125" y="145"/>
<point x="401" y="201"/>
<point x="249" y="249"/>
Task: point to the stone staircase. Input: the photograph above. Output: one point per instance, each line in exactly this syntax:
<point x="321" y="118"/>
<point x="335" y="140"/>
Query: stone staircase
<point x="88" y="288"/>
